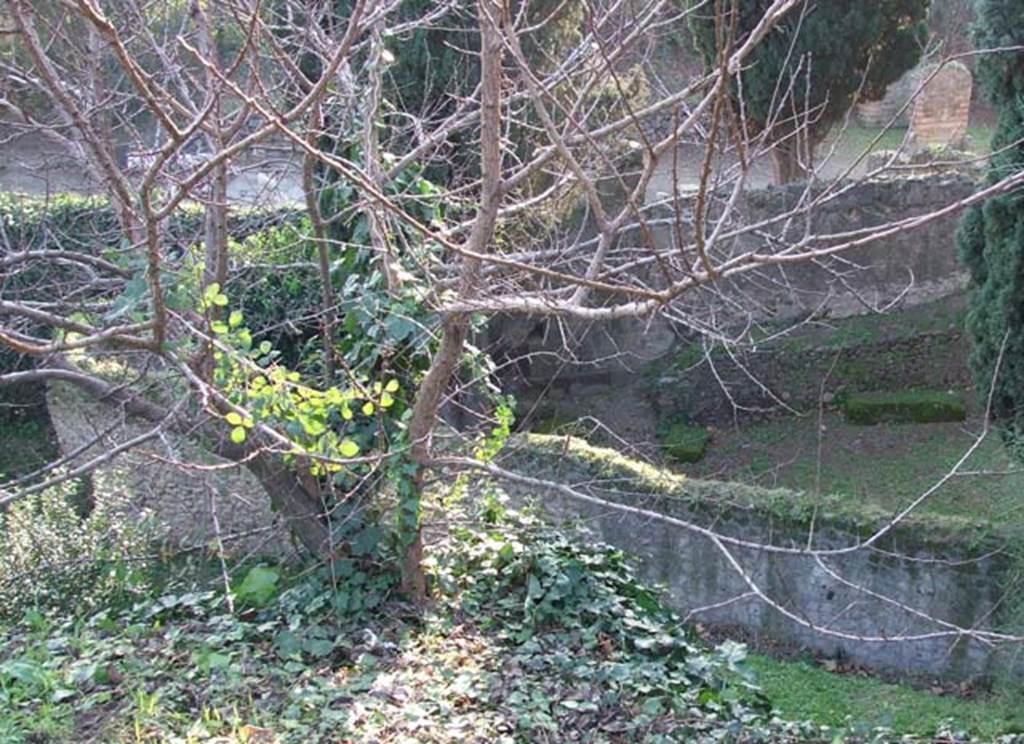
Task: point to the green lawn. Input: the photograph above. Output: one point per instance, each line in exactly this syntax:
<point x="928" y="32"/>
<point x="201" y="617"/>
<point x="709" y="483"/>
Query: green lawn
<point x="856" y="139"/>
<point x="801" y="690"/>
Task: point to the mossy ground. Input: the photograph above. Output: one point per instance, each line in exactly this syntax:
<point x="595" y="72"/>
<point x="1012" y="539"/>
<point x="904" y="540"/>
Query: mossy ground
<point x="685" y="443"/>
<point x="884" y="466"/>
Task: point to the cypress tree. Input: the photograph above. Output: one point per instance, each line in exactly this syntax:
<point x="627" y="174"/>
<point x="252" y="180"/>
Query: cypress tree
<point x="814" y="65"/>
<point x="991" y="236"/>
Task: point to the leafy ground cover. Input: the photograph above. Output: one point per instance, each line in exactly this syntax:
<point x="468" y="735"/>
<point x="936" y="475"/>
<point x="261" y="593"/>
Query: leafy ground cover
<point x="530" y="639"/>
<point x="533" y="637"/>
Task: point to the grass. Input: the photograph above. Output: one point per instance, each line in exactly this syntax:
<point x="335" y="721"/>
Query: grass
<point x="885" y="466"/>
<point x="856" y="139"/>
<point x="801" y="690"/>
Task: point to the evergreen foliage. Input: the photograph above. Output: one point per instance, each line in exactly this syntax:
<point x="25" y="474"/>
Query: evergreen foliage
<point x="818" y="61"/>
<point x="991" y="236"/>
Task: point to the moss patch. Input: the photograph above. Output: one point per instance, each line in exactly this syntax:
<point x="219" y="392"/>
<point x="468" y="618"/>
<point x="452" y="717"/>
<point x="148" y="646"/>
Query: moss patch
<point x="882" y="467"/>
<point x="554" y="425"/>
<point x="685" y="443"/>
<point x="905" y="407"/>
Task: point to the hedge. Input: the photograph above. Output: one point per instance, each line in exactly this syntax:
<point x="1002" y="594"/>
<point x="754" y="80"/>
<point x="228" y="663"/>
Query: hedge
<point x="905" y="407"/>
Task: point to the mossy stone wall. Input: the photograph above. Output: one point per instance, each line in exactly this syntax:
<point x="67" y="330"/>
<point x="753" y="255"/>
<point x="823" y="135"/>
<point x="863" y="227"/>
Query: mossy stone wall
<point x="942" y="568"/>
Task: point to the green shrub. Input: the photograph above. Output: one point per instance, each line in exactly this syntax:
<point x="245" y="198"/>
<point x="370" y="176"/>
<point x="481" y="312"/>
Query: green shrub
<point x="90" y="224"/>
<point x="685" y="443"/>
<point x="53" y="559"/>
<point x="905" y="407"/>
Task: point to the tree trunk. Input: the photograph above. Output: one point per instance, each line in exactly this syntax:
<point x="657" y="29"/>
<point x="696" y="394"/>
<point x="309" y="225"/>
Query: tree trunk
<point x="430" y="395"/>
<point x="787" y="164"/>
<point x="293" y="492"/>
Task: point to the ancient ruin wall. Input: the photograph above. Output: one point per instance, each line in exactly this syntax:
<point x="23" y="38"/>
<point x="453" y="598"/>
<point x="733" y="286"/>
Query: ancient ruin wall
<point x="940" y="570"/>
<point x="186" y="496"/>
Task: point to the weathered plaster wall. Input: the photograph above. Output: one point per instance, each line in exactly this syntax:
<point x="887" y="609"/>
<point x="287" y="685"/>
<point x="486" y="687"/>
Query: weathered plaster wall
<point x="917" y="264"/>
<point x="936" y="570"/>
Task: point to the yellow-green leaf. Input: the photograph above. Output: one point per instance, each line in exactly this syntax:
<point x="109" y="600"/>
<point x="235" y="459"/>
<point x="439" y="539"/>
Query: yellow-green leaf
<point x="386" y="401"/>
<point x="238" y="435"/>
<point x="235" y="419"/>
<point x="235" y="319"/>
<point x="349" y="448"/>
<point x="392" y="386"/>
<point x="368" y="408"/>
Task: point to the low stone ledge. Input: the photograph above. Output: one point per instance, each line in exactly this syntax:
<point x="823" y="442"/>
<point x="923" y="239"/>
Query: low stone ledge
<point x="945" y="568"/>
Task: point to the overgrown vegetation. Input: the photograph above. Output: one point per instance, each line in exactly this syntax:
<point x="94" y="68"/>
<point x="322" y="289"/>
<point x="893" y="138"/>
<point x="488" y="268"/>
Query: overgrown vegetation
<point x="533" y="637"/>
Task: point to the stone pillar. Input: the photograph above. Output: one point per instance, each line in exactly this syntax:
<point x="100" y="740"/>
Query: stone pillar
<point x="943" y="107"/>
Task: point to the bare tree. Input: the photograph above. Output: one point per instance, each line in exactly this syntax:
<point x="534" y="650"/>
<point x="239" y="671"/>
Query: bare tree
<point x="557" y="217"/>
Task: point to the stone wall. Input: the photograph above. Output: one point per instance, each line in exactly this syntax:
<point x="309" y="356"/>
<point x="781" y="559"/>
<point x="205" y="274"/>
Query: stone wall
<point x="919" y="264"/>
<point x="895" y="108"/>
<point x="574" y="368"/>
<point x="177" y="501"/>
<point x="942" y="111"/>
<point x="938" y="569"/>
<point x="719" y="387"/>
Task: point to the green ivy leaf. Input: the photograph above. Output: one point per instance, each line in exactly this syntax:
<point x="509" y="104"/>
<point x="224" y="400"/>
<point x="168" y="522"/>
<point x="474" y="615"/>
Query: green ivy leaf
<point x="259" y="585"/>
